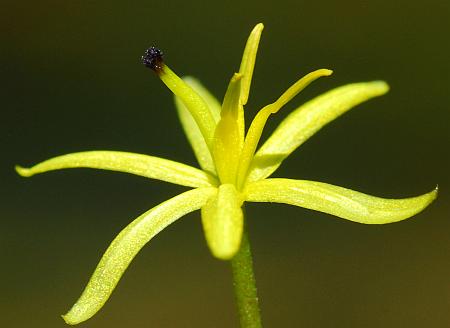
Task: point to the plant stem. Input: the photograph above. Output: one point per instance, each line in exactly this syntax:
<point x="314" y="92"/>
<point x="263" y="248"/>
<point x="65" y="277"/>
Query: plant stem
<point x="245" y="286"/>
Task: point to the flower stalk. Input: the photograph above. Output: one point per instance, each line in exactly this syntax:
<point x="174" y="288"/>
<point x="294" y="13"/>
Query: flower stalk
<point x="244" y="284"/>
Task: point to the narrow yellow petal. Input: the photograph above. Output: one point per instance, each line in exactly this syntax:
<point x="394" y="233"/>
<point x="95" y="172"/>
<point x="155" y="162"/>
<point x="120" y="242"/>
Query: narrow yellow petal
<point x="344" y="203"/>
<point x="125" y="247"/>
<point x="227" y="138"/>
<point x="306" y="121"/>
<point x="194" y="103"/>
<point x="222" y="220"/>
<point x="257" y="126"/>
<point x="191" y="128"/>
<point x="248" y="61"/>
<point x="246" y="70"/>
<point x="143" y="165"/>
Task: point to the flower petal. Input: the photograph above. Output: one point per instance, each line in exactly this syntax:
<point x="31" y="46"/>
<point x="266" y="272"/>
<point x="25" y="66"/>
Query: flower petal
<point x="344" y="203"/>
<point x="248" y="61"/>
<point x="223" y="222"/>
<point x="125" y="247"/>
<point x="191" y="128"/>
<point x="144" y="165"/>
<point x="306" y="121"/>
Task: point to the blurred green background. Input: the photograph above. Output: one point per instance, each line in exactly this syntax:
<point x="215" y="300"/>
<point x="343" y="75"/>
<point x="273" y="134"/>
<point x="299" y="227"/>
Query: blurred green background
<point x="71" y="80"/>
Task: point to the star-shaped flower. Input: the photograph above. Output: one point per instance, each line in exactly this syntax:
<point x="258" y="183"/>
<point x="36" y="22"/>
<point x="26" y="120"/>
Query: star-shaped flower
<point x="232" y="171"/>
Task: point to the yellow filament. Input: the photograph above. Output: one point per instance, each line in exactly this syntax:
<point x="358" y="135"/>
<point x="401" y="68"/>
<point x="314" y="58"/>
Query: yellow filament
<point x="193" y="102"/>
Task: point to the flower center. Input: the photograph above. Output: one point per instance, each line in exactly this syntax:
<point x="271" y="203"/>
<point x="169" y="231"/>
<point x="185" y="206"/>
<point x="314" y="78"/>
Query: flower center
<point x="232" y="154"/>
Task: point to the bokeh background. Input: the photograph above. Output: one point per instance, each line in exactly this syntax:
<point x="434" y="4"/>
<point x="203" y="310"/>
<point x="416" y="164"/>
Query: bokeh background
<point x="71" y="80"/>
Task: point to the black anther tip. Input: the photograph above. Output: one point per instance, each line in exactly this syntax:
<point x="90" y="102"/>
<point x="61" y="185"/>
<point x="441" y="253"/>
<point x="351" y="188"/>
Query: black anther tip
<point x="153" y="58"/>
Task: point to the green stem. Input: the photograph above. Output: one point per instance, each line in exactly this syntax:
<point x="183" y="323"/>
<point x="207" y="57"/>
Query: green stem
<point x="245" y="286"/>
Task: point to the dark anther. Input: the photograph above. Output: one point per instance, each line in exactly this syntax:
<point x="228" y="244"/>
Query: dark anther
<point x="153" y="58"/>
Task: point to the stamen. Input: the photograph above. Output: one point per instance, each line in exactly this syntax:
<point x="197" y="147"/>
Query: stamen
<point x="258" y="123"/>
<point x="197" y="107"/>
<point x="153" y="59"/>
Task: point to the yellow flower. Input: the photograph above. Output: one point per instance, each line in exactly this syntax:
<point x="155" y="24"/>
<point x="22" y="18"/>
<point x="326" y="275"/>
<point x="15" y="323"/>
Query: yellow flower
<point x="232" y="171"/>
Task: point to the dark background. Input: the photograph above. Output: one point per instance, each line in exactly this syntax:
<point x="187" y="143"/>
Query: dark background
<point x="71" y="80"/>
